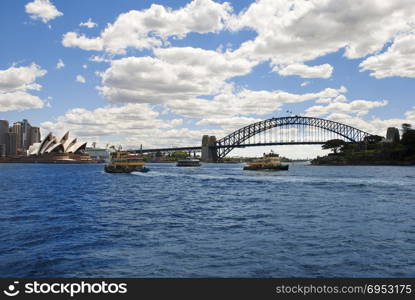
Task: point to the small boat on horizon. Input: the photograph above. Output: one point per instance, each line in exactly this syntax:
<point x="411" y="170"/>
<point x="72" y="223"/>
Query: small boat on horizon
<point x="188" y="163"/>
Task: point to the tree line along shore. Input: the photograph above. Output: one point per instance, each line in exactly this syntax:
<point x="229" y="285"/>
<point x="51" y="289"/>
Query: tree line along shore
<point x="374" y="150"/>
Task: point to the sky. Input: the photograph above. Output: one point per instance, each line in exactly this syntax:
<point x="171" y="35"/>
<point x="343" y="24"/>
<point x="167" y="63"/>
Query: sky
<point x="164" y="73"/>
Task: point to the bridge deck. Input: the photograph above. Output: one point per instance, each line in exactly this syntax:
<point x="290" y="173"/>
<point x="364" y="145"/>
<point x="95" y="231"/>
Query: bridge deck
<point x="172" y="149"/>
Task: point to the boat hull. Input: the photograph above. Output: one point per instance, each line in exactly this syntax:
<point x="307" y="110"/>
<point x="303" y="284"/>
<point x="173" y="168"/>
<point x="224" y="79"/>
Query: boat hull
<point x="267" y="168"/>
<point x="188" y="163"/>
<point x="118" y="169"/>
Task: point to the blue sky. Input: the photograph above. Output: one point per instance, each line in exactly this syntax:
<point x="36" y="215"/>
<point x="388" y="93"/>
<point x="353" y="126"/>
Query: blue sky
<point x="171" y="71"/>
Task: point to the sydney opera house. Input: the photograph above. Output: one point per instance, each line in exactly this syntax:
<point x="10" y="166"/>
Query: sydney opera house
<point x="52" y="149"/>
<point x="58" y="149"/>
<point x="52" y="144"/>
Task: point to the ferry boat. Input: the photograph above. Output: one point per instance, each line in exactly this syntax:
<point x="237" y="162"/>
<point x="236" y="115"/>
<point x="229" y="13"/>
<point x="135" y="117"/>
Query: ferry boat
<point x="270" y="162"/>
<point x="124" y="162"/>
<point x="188" y="163"/>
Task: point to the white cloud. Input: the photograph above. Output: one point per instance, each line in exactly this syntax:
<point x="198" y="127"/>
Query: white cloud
<point x="43" y="10"/>
<point x="106" y="120"/>
<point x="174" y="137"/>
<point x="139" y="122"/>
<point x="150" y="27"/>
<point x="245" y="102"/>
<point x="98" y="59"/>
<point x="358" y="107"/>
<point x="339" y="98"/>
<point x="305" y="83"/>
<point x="60" y="64"/>
<point x="374" y="125"/>
<point x="175" y="73"/>
<point x="398" y="60"/>
<point x="20" y="78"/>
<point x="229" y="124"/>
<point x="19" y="100"/>
<point x="411" y="114"/>
<point x="289" y="33"/>
<point x="14" y="84"/>
<point x="72" y="39"/>
<point x="302" y="30"/>
<point x="304" y="71"/>
<point x="88" y="24"/>
<point x="176" y="77"/>
<point x="80" y="78"/>
<point x="85" y="66"/>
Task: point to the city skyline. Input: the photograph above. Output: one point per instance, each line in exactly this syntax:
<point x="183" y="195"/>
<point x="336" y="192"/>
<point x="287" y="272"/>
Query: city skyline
<point x="160" y="73"/>
<point x="16" y="138"/>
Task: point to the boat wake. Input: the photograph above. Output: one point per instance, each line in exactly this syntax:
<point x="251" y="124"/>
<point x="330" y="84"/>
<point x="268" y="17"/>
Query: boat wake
<point x="270" y="177"/>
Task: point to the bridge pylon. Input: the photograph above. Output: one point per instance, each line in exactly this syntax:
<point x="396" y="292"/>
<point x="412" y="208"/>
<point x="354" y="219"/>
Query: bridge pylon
<point x="209" y="151"/>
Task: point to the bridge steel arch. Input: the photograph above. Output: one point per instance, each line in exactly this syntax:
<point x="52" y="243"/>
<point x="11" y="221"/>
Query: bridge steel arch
<point x="238" y="137"/>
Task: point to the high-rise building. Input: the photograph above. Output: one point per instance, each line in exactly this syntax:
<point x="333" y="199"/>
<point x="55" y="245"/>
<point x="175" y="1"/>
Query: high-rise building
<point x="34" y="135"/>
<point x="17" y="129"/>
<point x="2" y="150"/>
<point x="11" y="143"/>
<point x="18" y="138"/>
<point x="4" y="130"/>
<point x="26" y="134"/>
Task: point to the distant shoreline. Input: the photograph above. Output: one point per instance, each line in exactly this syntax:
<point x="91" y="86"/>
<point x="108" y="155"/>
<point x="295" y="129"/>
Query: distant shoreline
<point x="40" y="161"/>
<point x="342" y="161"/>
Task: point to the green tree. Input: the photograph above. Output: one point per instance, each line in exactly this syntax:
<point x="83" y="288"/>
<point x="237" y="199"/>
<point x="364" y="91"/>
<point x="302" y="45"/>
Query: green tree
<point x="373" y="139"/>
<point x="177" y="155"/>
<point x="335" y="145"/>
<point x="406" y="127"/>
<point x="408" y="138"/>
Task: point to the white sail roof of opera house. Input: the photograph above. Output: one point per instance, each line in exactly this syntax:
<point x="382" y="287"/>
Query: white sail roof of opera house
<point x="69" y="143"/>
<point x="34" y="149"/>
<point x="48" y="145"/>
<point x="64" y="138"/>
<point x="55" y="148"/>
<point x="76" y="147"/>
<point x="52" y="144"/>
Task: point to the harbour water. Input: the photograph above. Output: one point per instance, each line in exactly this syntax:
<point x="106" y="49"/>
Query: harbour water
<point x="216" y="220"/>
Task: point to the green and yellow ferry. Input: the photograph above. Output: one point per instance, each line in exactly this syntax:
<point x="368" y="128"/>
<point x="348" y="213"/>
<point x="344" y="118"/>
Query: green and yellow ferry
<point x="125" y="162"/>
<point x="270" y="162"/>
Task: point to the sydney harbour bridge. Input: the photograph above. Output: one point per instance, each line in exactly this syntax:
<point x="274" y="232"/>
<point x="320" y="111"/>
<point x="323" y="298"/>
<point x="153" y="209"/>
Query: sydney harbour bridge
<point x="291" y="130"/>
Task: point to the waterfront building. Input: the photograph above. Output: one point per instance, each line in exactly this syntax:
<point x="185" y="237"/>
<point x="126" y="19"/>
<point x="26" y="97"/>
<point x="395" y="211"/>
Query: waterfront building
<point x="54" y="149"/>
<point x="98" y="154"/>
<point x="53" y="144"/>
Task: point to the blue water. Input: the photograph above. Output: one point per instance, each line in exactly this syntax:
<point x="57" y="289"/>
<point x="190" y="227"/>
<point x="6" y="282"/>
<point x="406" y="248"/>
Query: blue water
<point x="217" y="220"/>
